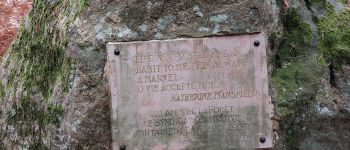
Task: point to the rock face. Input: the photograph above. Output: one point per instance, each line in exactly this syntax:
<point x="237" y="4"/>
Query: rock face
<point x="11" y="12"/>
<point x="53" y="89"/>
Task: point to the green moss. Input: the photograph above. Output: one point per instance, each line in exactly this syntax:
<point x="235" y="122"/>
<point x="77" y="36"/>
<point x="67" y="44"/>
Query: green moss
<point x="320" y="3"/>
<point x="12" y="76"/>
<point x="295" y="78"/>
<point x="293" y="83"/>
<point x="334" y="37"/>
<point x="42" y="49"/>
<point x="39" y="63"/>
<point x="296" y="88"/>
<point x="65" y="75"/>
<point x="2" y="91"/>
<point x="345" y="2"/>
<point x="28" y="112"/>
<point x="297" y="37"/>
<point x="2" y="147"/>
<point x="53" y="115"/>
<point x="38" y="146"/>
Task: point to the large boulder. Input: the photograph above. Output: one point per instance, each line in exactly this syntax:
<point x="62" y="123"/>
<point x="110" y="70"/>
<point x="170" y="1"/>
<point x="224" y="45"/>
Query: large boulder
<point x="53" y="89"/>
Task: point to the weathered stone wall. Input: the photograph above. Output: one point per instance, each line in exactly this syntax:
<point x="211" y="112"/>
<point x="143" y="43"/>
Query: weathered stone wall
<point x="53" y="90"/>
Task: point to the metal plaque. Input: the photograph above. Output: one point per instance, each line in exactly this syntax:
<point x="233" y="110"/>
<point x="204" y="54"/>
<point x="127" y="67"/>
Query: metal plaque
<point x="197" y="93"/>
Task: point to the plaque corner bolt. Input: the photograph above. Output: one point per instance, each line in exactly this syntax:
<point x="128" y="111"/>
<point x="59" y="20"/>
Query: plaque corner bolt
<point x="262" y="139"/>
<point x="116" y="52"/>
<point x="122" y="147"/>
<point x="256" y="43"/>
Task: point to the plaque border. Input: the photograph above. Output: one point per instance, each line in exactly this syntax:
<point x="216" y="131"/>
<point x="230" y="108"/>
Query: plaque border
<point x="113" y="71"/>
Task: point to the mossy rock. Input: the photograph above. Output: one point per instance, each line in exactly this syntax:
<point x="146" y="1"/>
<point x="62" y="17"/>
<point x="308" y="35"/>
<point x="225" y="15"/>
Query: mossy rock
<point x="295" y="77"/>
<point x="41" y="64"/>
<point x="296" y="38"/>
<point x="334" y="37"/>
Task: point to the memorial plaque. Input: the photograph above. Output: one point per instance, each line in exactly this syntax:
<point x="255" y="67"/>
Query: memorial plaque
<point x="200" y="93"/>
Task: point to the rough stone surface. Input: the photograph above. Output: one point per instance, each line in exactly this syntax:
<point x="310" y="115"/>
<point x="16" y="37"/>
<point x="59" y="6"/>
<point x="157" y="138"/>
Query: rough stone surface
<point x="53" y="89"/>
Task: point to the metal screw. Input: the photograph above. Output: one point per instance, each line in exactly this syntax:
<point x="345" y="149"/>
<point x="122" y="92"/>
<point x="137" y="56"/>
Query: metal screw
<point x="116" y="52"/>
<point x="256" y="43"/>
<point x="262" y="139"/>
<point x="122" y="147"/>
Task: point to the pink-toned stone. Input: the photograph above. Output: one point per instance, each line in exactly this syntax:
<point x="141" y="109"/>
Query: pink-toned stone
<point x="205" y="93"/>
<point x="12" y="13"/>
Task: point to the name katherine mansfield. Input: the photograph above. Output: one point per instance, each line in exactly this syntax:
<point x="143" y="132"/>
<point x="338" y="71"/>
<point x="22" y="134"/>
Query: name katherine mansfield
<point x="216" y="95"/>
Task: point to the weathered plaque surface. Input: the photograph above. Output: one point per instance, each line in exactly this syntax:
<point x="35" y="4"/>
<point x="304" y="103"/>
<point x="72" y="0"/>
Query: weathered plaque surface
<point x="205" y="93"/>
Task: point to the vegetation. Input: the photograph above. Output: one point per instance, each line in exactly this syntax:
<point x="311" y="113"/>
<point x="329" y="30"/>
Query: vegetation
<point x="41" y="63"/>
<point x="295" y="77"/>
<point x="297" y="37"/>
<point x="344" y="1"/>
<point x="324" y="4"/>
<point x="296" y="74"/>
<point x="334" y="37"/>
